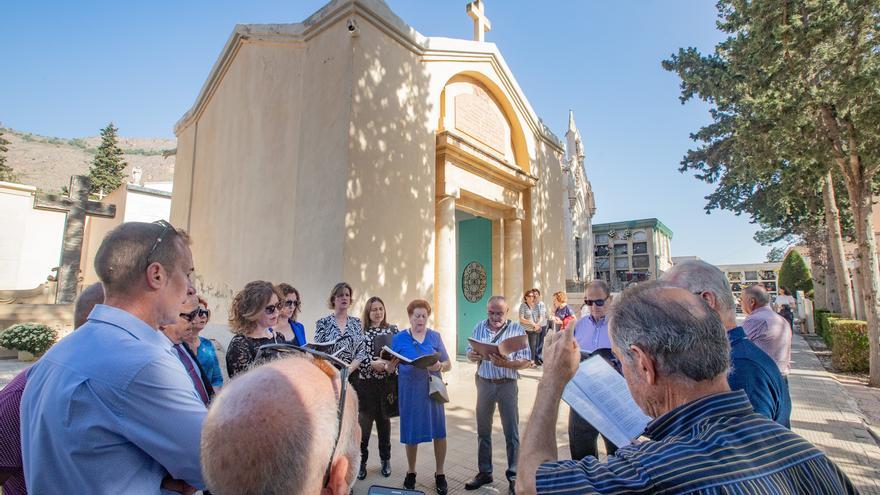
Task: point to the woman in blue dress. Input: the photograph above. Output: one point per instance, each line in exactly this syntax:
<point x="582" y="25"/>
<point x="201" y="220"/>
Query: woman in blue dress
<point x="422" y="419"/>
<point x="292" y="330"/>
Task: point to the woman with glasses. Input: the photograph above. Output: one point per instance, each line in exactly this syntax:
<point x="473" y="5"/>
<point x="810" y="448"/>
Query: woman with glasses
<point x="253" y="314"/>
<point x="533" y="318"/>
<point x="346" y="332"/>
<point x="374" y="386"/>
<point x="562" y="314"/>
<point x="422" y="419"/>
<point x="294" y="331"/>
<point x="203" y="348"/>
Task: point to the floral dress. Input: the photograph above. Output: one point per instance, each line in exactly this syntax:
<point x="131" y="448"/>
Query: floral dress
<point x="350" y="342"/>
<point x="371" y="387"/>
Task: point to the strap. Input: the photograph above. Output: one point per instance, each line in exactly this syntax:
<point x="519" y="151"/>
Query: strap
<point x="500" y="332"/>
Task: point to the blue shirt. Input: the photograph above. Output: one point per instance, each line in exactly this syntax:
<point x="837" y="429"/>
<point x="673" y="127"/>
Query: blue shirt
<point x="207" y="356"/>
<point x="483" y="333"/>
<point x="592" y="335"/>
<point x="756" y="374"/>
<point x="108" y="410"/>
<point x="715" y="444"/>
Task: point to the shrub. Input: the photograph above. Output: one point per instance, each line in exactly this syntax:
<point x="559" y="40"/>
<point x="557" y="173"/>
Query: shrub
<point x="30" y="337"/>
<point x="823" y="324"/>
<point x="794" y="274"/>
<point x="850" y="349"/>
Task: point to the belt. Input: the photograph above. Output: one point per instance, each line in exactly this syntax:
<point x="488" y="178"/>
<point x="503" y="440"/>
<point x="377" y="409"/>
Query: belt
<point x="497" y="380"/>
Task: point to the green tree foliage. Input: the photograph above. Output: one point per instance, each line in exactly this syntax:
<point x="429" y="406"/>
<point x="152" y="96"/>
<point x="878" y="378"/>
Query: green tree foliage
<point x="794" y="274"/>
<point x="775" y="255"/>
<point x="107" y="171"/>
<point x="6" y="172"/>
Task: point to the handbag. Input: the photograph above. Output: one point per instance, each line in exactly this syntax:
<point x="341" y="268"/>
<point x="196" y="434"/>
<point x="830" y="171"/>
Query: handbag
<point x="390" y="397"/>
<point x="437" y="389"/>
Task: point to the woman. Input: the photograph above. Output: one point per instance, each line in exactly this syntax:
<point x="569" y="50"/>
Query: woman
<point x="203" y="348"/>
<point x="294" y="331"/>
<point x="533" y="318"/>
<point x="344" y="330"/>
<point x="372" y="387"/>
<point x="253" y="314"/>
<point x="562" y="314"/>
<point x="422" y="419"/>
<point x="784" y="302"/>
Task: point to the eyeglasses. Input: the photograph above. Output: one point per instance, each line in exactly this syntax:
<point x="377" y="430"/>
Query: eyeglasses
<point x="272" y="308"/>
<point x="191" y="315"/>
<point x="204" y="312"/>
<point x="291" y="303"/>
<point x="331" y="366"/>
<point x="165" y="228"/>
<point x="597" y="302"/>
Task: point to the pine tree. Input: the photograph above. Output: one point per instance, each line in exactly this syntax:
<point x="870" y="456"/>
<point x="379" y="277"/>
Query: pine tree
<point x="106" y="173"/>
<point x="6" y="173"/>
<point x="794" y="274"/>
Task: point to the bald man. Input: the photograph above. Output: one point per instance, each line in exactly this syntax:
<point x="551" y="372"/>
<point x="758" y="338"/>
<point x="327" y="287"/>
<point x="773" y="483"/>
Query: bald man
<point x="250" y="445"/>
<point x="768" y="330"/>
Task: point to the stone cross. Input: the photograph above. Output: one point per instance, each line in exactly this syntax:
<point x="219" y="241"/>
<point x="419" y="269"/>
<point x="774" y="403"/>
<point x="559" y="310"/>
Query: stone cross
<point x="477" y="12"/>
<point x="77" y="205"/>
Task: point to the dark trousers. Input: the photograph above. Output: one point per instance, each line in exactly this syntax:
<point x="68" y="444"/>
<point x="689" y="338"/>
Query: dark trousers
<point x="539" y="346"/>
<point x="582" y="438"/>
<point x="383" y="428"/>
<point x="536" y="344"/>
<point x="504" y="393"/>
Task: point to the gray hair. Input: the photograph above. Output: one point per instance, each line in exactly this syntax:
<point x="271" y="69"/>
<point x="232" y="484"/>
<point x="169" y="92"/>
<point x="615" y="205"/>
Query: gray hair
<point x="699" y="276"/>
<point x="88" y="298"/>
<point x="601" y="284"/>
<point x="681" y="332"/>
<point x="759" y="294"/>
<point x="496" y="299"/>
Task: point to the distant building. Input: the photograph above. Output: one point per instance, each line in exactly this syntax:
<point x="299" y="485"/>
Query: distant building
<point x="631" y="251"/>
<point x="743" y="275"/>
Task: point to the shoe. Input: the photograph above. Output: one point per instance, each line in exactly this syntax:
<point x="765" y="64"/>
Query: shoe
<point x="479" y="480"/>
<point x="410" y="481"/>
<point x="362" y="472"/>
<point x="386" y="468"/>
<point x="440" y="483"/>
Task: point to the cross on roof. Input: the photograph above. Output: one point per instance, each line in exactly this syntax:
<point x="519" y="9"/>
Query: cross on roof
<point x="477" y="12"/>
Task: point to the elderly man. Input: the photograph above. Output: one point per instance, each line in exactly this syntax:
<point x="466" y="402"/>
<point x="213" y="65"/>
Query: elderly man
<point x="109" y="409"/>
<point x="753" y="371"/>
<point x="704" y="439"/>
<point x="496" y="384"/>
<point x="177" y="333"/>
<point x="768" y="330"/>
<point x="250" y="444"/>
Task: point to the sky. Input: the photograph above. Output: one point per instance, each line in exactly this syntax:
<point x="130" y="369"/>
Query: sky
<point x="68" y="68"/>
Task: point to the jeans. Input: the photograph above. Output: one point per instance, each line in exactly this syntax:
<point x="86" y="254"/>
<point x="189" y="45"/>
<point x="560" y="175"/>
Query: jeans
<point x="383" y="428"/>
<point x="536" y="344"/>
<point x="504" y="393"/>
<point x="582" y="438"/>
<point x="539" y="346"/>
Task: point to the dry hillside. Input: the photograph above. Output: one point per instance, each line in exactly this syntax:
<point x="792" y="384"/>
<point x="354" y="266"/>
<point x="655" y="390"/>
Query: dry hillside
<point x="48" y="162"/>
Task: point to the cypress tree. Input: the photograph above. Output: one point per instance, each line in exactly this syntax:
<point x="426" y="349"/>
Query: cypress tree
<point x="794" y="274"/>
<point x="107" y="171"/>
<point x="6" y="173"/>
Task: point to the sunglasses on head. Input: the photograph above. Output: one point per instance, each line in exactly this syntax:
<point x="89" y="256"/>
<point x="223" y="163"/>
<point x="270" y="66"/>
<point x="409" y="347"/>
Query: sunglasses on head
<point x="165" y="228"/>
<point x="190" y="316"/>
<point x="291" y="303"/>
<point x="597" y="302"/>
<point x="272" y="308"/>
<point x="330" y="365"/>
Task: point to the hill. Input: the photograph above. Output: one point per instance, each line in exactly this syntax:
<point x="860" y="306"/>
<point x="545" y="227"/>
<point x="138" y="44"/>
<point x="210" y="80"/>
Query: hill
<point x="48" y="162"/>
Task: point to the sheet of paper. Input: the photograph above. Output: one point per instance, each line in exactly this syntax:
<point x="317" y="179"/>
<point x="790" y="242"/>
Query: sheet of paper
<point x="600" y="395"/>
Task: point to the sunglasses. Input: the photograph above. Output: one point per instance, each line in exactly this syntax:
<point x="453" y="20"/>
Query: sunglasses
<point x="165" y="228"/>
<point x="204" y="312"/>
<point x="597" y="302"/>
<point x="190" y="316"/>
<point x="331" y="366"/>
<point x="291" y="303"/>
<point x="272" y="308"/>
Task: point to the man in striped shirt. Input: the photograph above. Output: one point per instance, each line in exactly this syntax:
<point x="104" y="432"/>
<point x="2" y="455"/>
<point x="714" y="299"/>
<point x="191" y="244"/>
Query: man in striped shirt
<point x="704" y="439"/>
<point x="496" y="384"/>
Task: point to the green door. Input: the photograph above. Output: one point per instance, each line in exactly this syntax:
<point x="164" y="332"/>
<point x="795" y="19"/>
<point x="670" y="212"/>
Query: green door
<point x="474" y="275"/>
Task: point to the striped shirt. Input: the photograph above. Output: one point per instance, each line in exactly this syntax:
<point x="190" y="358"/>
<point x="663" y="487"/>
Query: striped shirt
<point x="483" y="333"/>
<point x="713" y="445"/>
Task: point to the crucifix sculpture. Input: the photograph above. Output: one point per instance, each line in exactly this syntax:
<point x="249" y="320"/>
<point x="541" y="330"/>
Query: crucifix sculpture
<point x="77" y="205"/>
<point x="477" y="12"/>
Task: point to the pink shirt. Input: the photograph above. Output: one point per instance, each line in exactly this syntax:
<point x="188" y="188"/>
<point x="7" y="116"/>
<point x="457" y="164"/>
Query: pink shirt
<point x="772" y="334"/>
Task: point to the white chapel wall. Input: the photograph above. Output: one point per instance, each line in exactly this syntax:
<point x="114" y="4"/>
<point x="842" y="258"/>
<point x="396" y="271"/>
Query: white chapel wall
<point x="30" y="244"/>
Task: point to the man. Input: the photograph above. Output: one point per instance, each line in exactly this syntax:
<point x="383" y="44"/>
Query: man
<point x="591" y="333"/>
<point x="766" y="329"/>
<point x="496" y="384"/>
<point x="704" y="439"/>
<point x="11" y="471"/>
<point x="109" y="409"/>
<point x="753" y="371"/>
<point x="177" y="332"/>
<point x="251" y="445"/>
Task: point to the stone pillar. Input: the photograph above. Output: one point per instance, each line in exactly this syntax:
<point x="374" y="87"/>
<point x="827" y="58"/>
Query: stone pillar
<point x="445" y="307"/>
<point x="513" y="261"/>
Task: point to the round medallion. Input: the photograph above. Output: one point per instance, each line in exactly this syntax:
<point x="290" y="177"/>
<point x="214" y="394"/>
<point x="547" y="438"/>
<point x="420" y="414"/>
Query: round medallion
<point x="473" y="281"/>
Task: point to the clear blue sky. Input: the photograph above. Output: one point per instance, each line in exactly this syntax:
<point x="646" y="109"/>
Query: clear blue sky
<point x="70" y="67"/>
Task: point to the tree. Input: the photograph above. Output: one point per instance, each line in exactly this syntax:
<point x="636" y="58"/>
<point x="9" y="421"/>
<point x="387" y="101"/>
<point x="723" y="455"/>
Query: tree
<point x="775" y="255"/>
<point x="794" y="274"/>
<point x="798" y="81"/>
<point x="6" y="172"/>
<point x="107" y="171"/>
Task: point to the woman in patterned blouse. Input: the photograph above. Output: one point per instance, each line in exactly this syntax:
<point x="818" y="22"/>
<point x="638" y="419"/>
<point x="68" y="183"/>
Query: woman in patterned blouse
<point x="345" y="330"/>
<point x="373" y="386"/>
<point x="254" y="312"/>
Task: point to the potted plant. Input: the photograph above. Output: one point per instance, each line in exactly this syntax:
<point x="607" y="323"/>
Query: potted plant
<point x="31" y="340"/>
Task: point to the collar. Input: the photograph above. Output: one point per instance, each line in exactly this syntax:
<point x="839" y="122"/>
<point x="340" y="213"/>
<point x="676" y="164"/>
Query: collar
<point x="599" y="321"/>
<point x="130" y="324"/>
<point x="736" y="334"/>
<point x="763" y="309"/>
<point x="685" y="417"/>
<point x="500" y="330"/>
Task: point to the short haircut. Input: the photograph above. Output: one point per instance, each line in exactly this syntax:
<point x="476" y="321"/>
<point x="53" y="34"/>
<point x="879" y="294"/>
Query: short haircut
<point x="368" y="307"/>
<point x="759" y="294"/>
<point x="496" y="299"/>
<point x="283" y="290"/>
<point x="247" y="305"/>
<point x="699" y="276"/>
<point x="681" y="332"/>
<point x="124" y="254"/>
<point x="530" y="292"/>
<point x="560" y="296"/>
<point x="601" y="285"/>
<point x="416" y="304"/>
<point x="90" y="296"/>
<point x="336" y="291"/>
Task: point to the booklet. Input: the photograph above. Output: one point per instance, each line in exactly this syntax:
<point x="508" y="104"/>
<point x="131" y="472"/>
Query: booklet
<point x="502" y="348"/>
<point x="420" y="362"/>
<point x="380" y="342"/>
<point x="600" y="395"/>
<point x="325" y="347"/>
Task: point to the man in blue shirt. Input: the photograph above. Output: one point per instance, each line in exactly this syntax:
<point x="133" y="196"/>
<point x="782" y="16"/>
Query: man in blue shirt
<point x="496" y="384"/>
<point x="753" y="371"/>
<point x="704" y="439"/>
<point x="109" y="409"/>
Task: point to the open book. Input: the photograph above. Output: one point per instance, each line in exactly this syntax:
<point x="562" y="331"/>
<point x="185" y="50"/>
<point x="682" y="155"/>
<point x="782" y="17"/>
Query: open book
<point x="325" y="347"/>
<point x="599" y="395"/>
<point x="420" y="362"/>
<point x="502" y="348"/>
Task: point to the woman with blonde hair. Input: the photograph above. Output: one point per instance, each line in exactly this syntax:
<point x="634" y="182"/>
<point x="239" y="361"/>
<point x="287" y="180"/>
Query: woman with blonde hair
<point x="345" y="331"/>
<point x="254" y="312"/>
<point x="562" y="314"/>
<point x="203" y="348"/>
